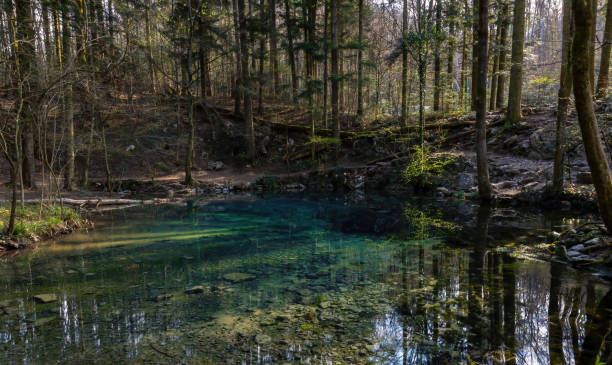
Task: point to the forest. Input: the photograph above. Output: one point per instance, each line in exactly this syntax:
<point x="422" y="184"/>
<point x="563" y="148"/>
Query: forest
<point x="128" y="127"/>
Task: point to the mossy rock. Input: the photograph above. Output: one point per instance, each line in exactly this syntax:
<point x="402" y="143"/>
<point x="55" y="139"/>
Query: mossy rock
<point x="238" y="277"/>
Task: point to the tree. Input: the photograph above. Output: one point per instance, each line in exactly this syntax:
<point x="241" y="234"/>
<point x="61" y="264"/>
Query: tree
<point x="604" y="66"/>
<point x="335" y="79"/>
<point x="246" y="86"/>
<point x="503" y="38"/>
<point x="591" y="135"/>
<point x="437" y="58"/>
<point x="565" y="89"/>
<point x="360" y="62"/>
<point x="516" y="67"/>
<point x="484" y="185"/>
<point x="404" y="111"/>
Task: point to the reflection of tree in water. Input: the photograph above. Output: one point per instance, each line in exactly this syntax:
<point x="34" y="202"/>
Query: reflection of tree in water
<point x="485" y="304"/>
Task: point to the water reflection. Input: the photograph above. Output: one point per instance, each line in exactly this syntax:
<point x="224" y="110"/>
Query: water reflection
<point x="302" y="280"/>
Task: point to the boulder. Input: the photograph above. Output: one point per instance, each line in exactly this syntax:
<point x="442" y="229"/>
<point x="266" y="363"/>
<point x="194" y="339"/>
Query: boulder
<point x="199" y="289"/>
<point x="584" y="178"/>
<point x="262" y="339"/>
<point x="45" y="298"/>
<point x="237" y="277"/>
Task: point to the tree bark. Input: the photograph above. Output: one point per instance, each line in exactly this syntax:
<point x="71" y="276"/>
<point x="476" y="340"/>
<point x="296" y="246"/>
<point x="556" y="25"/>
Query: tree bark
<point x="591" y="136"/>
<point x="604" y="65"/>
<point x="475" y="36"/>
<point x="68" y="105"/>
<point x="437" y="59"/>
<point x="565" y="88"/>
<point x="516" y="68"/>
<point x="360" y="63"/>
<point x="246" y="82"/>
<point x="503" y="39"/>
<point x="274" y="49"/>
<point x="494" y="75"/>
<point x="335" y="118"/>
<point x="484" y="185"/>
<point x="404" y="96"/>
<point x="290" y="51"/>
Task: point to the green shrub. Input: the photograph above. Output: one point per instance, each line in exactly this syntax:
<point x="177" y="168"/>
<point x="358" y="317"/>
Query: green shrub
<point x="425" y="168"/>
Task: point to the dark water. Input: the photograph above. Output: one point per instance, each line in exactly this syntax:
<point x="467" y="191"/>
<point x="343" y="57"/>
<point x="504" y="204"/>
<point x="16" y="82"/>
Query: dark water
<point x="303" y="280"/>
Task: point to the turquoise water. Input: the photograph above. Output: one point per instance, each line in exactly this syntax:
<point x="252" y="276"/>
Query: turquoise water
<point x="304" y="280"/>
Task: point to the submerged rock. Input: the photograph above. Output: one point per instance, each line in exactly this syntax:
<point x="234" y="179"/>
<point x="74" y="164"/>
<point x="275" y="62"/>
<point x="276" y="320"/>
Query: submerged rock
<point x="237" y="277"/>
<point x="198" y="289"/>
<point x="45" y="298"/>
<point x="262" y="339"/>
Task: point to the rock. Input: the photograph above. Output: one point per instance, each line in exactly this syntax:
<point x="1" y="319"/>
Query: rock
<point x="324" y="305"/>
<point x="237" y="277"/>
<point x="464" y="181"/>
<point x="561" y="251"/>
<point x="512" y="141"/>
<point x="215" y="165"/>
<point x="199" y="289"/>
<point x="45" y="298"/>
<point x="584" y="178"/>
<point x="162" y="297"/>
<point x="565" y="205"/>
<point x="579" y="247"/>
<point x="371" y="348"/>
<point x="593" y="242"/>
<point x="572" y="254"/>
<point x="130" y="148"/>
<point x="262" y="339"/>
<point x="442" y="190"/>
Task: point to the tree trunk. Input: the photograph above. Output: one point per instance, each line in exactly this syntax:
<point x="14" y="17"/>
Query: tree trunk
<point x="360" y="64"/>
<point x="262" y="59"/>
<point x="604" y="65"/>
<point x="503" y="39"/>
<point x="516" y="68"/>
<point x="68" y="105"/>
<point x="592" y="46"/>
<point x="484" y="185"/>
<point x="404" y="111"/>
<point x="25" y="58"/>
<point x="591" y="136"/>
<point x="437" y="58"/>
<point x="238" y="86"/>
<point x="565" y="88"/>
<point x="274" y="49"/>
<point x="246" y="82"/>
<point x="290" y="51"/>
<point x="494" y="74"/>
<point x="150" y="48"/>
<point x="474" y="53"/>
<point x="325" y="63"/>
<point x="464" y="58"/>
<point x="451" y="56"/>
<point x="335" y="118"/>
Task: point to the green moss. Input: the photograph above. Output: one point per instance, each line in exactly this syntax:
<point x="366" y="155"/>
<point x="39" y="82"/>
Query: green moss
<point x="306" y="326"/>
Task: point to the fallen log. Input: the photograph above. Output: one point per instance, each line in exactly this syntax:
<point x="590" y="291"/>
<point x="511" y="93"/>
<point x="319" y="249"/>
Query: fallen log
<point x="107" y="202"/>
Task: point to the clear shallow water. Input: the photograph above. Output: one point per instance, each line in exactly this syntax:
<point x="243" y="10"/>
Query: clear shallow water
<point x="301" y="280"/>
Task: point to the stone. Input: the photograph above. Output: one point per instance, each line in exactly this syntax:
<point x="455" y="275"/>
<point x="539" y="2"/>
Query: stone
<point x="593" y="242"/>
<point x="561" y="251"/>
<point x="262" y="339"/>
<point x="130" y="148"/>
<point x="199" y="289"/>
<point x="579" y="247"/>
<point x="442" y="190"/>
<point x="324" y="305"/>
<point x="162" y="297"/>
<point x="45" y="298"/>
<point x="464" y="181"/>
<point x="584" y="178"/>
<point x="238" y="277"/>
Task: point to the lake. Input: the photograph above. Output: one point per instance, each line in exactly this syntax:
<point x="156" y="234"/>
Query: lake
<point x="303" y="279"/>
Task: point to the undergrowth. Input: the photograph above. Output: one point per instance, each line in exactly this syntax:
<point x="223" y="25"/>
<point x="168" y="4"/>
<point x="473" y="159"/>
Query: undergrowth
<point x="33" y="222"/>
